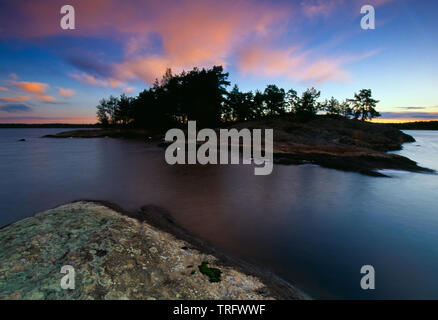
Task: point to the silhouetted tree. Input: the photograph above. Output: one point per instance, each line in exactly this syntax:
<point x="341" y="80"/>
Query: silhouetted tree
<point x="307" y="105"/>
<point x="345" y="109"/>
<point x="259" y="107"/>
<point x="364" y="106"/>
<point x="102" y="113"/>
<point x="292" y="100"/>
<point x="201" y="95"/>
<point x="240" y="104"/>
<point x="274" y="100"/>
<point x="332" y="106"/>
<point x="124" y="110"/>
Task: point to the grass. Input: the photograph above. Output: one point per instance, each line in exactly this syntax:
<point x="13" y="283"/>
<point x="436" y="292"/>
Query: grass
<point x="213" y="274"/>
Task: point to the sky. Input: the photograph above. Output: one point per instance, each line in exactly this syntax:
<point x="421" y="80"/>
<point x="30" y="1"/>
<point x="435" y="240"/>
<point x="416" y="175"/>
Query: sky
<point x="49" y="75"/>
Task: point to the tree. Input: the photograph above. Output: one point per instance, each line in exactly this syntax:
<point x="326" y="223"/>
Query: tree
<point x="124" y="109"/>
<point x="274" y="98"/>
<point x="307" y="105"/>
<point x="202" y="95"/>
<point x="107" y="111"/>
<point x="345" y="109"/>
<point x="240" y="104"/>
<point x="258" y="106"/>
<point x="291" y="100"/>
<point x="112" y="106"/>
<point x="332" y="106"/>
<point x="364" y="106"/>
<point x="102" y="113"/>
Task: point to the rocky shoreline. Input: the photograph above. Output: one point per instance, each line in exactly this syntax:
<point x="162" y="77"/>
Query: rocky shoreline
<point x="122" y="255"/>
<point x="335" y="143"/>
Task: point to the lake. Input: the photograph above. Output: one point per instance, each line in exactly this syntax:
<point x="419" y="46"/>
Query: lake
<point x="312" y="226"/>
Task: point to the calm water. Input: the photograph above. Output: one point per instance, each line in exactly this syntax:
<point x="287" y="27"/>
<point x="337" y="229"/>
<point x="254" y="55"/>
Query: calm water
<point x="314" y="227"/>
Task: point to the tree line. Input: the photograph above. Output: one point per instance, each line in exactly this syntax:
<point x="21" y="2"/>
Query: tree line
<point x="201" y="95"/>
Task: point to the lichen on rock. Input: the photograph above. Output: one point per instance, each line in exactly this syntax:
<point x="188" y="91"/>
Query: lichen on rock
<point x="114" y="257"/>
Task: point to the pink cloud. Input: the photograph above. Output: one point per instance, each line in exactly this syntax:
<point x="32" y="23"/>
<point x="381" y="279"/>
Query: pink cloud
<point x="313" y="8"/>
<point x="46" y="98"/>
<point x="290" y="63"/>
<point x="4" y="89"/>
<point x="326" y="8"/>
<point x="191" y="32"/>
<point x="14" y="99"/>
<point x="32" y="87"/>
<point x="94" y="81"/>
<point x="66" y="93"/>
<point x="198" y="33"/>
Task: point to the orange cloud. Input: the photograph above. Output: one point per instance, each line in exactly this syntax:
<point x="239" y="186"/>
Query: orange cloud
<point x="191" y="33"/>
<point x="312" y="8"/>
<point x="290" y="63"/>
<point x="14" y="99"/>
<point x="198" y="33"/>
<point x="296" y="64"/>
<point x="325" y="8"/>
<point x="94" y="81"/>
<point x="32" y="87"/>
<point x="46" y="98"/>
<point x="66" y="93"/>
<point x="4" y="89"/>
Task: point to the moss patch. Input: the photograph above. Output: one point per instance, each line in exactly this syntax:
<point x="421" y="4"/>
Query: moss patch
<point x="213" y="274"/>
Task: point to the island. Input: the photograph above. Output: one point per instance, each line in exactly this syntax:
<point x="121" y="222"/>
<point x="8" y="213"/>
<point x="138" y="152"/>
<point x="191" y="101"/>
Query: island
<point x="328" y="141"/>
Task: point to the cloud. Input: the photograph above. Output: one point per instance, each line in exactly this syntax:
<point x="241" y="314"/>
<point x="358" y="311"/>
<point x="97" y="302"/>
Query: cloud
<point x="187" y="33"/>
<point x="191" y="32"/>
<point x="313" y="8"/>
<point x="32" y="87"/>
<point x="296" y="64"/>
<point x="66" y="93"/>
<point x="89" y="79"/>
<point x="412" y="108"/>
<point x="14" y="99"/>
<point x="4" y="89"/>
<point x="89" y="65"/>
<point x="327" y="8"/>
<point x="15" y="108"/>
<point x="410" y="115"/>
<point x="128" y="89"/>
<point x="46" y="98"/>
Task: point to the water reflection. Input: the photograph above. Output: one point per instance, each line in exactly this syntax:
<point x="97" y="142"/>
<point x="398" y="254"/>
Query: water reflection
<point x="314" y="227"/>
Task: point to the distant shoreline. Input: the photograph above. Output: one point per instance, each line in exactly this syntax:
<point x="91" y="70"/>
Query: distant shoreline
<point x="46" y="125"/>
<point x="414" y="125"/>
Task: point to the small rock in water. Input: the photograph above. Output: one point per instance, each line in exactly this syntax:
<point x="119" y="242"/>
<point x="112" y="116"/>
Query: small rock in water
<point x="22" y="140"/>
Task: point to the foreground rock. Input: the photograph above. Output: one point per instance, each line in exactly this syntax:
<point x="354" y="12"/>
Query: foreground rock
<point x="118" y="257"/>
